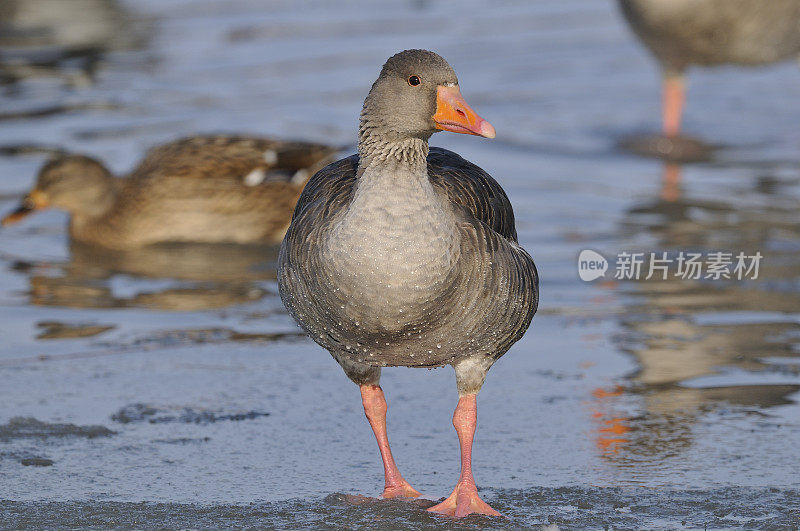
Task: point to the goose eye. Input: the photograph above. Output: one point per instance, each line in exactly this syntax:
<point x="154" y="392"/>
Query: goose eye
<point x="414" y="81"/>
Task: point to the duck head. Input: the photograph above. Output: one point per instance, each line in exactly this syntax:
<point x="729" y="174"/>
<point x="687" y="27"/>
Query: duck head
<point x="78" y="184"/>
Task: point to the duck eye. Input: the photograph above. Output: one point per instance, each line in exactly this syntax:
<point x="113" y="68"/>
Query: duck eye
<point x="414" y="81"/>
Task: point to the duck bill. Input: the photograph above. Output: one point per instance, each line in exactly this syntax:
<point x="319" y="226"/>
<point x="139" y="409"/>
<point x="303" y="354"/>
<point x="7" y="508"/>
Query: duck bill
<point x="453" y="114"/>
<point x="32" y="202"/>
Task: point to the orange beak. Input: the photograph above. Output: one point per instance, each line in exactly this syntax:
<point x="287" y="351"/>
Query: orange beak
<point x="453" y="114"/>
<point x="33" y="201"/>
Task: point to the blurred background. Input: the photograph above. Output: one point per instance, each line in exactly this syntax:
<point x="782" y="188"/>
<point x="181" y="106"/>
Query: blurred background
<point x="175" y="376"/>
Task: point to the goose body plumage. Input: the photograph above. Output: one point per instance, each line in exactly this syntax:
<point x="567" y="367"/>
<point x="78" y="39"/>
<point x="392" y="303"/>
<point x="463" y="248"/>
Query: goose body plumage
<point x="469" y="297"/>
<point x="682" y="33"/>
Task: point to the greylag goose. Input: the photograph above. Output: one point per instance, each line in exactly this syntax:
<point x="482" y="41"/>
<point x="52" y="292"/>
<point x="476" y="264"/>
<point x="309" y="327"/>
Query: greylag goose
<point x="205" y="189"/>
<point x="403" y="255"/>
<point x="682" y="33"/>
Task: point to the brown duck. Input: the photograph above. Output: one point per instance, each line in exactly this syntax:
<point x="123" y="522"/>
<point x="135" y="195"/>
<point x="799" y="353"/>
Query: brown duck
<point x="209" y="189"/>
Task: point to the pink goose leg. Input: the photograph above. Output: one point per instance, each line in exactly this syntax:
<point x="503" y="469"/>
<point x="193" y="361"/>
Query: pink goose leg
<point x="465" y="500"/>
<point x="674" y="98"/>
<point x="375" y="410"/>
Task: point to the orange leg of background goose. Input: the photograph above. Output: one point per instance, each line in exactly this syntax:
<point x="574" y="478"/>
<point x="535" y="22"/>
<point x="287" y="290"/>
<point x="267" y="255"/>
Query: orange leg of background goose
<point x="465" y="500"/>
<point x="375" y="409"/>
<point x="674" y="98"/>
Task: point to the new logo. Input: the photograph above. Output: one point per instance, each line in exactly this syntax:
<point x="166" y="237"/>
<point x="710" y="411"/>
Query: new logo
<point x="591" y="265"/>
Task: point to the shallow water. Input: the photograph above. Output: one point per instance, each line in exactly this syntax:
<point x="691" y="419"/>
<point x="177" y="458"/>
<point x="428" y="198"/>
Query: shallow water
<point x="170" y="388"/>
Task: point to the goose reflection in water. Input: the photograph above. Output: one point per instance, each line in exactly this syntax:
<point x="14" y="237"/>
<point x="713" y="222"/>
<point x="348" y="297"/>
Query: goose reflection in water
<point x="687" y="335"/>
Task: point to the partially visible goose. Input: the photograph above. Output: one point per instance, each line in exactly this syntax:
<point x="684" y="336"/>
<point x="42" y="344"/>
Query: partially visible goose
<point x="683" y="33"/>
<point x="209" y="189"/>
<point x="405" y="256"/>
